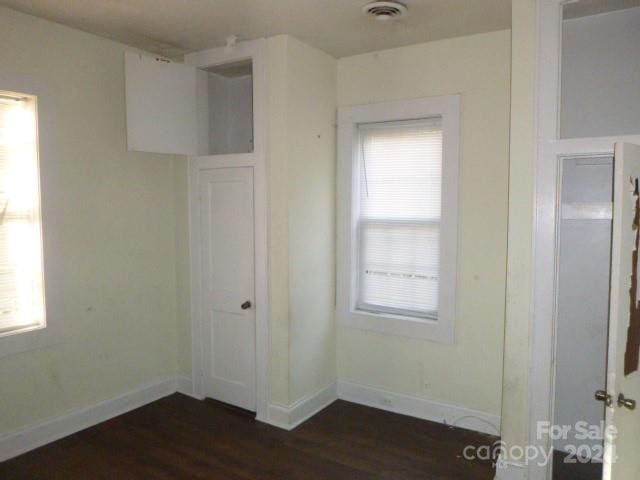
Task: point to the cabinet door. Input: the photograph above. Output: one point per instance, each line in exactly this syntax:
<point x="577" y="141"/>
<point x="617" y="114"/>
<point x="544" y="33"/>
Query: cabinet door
<point x="161" y="105"/>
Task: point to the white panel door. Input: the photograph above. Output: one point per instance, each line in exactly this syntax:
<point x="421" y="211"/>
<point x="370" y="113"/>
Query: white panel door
<point x="228" y="323"/>
<point x="622" y="439"/>
<point x="162" y="115"/>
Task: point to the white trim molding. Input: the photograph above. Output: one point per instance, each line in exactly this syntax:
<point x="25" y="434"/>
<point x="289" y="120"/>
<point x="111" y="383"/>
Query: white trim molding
<point x="54" y="268"/>
<point x="289" y="417"/>
<point x="184" y="385"/>
<point x="78" y="419"/>
<point x="446" y="414"/>
<point x="349" y="118"/>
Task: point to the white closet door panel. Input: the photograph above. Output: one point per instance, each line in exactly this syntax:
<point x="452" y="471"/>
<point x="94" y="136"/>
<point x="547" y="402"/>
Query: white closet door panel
<point x="162" y="114"/>
<point x="228" y="265"/>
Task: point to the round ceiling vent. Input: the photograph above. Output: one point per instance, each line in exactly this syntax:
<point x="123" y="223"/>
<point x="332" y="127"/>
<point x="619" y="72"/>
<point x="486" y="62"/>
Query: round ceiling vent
<point x="385" y="10"/>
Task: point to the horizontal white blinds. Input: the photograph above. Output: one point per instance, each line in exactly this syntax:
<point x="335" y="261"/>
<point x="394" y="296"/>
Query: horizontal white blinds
<point x="21" y="285"/>
<point x="398" y="219"/>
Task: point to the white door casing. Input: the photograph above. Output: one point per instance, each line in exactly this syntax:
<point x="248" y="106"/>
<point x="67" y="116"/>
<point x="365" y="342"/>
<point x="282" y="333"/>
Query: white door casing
<point x="622" y="437"/>
<point x="227" y="255"/>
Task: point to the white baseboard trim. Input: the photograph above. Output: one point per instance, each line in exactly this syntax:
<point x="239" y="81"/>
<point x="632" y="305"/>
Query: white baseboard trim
<point x="40" y="434"/>
<point x="184" y="385"/>
<point x="290" y="417"/>
<point x="419" y="407"/>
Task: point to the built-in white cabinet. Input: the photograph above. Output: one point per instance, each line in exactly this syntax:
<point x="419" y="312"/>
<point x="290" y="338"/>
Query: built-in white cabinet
<point x="180" y="109"/>
<point x="230" y="108"/>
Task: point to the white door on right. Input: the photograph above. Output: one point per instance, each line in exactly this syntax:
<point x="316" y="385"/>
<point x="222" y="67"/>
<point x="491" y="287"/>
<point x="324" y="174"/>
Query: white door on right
<point x="228" y="319"/>
<point x="622" y="438"/>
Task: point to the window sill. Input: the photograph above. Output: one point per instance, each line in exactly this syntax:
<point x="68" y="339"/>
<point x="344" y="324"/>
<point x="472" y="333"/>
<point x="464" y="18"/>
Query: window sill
<point x="403" y="326"/>
<point x="29" y="339"/>
<point x="24" y="329"/>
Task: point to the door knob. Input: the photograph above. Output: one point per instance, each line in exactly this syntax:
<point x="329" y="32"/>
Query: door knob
<point x="246" y="305"/>
<point x="602" y="396"/>
<point x="626" y="402"/>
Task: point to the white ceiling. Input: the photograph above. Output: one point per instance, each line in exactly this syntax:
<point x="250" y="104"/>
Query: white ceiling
<point x="174" y="27"/>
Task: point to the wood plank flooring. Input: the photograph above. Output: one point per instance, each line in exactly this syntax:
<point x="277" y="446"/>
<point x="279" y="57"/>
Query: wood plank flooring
<point x="182" y="438"/>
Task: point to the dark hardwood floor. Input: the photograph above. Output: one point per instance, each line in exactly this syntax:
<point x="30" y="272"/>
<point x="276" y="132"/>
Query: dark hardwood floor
<point x="182" y="438"/>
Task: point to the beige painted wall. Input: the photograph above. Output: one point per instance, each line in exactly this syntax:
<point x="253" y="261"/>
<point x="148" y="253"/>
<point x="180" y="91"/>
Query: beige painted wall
<point x="302" y="96"/>
<point x="468" y="373"/>
<point x="113" y="230"/>
<point x="311" y="104"/>
<point x="515" y="410"/>
<point x="277" y="71"/>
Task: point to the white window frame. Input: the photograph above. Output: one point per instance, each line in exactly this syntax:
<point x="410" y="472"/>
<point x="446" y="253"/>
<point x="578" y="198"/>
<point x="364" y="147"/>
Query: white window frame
<point x="51" y="332"/>
<point x="349" y="118"/>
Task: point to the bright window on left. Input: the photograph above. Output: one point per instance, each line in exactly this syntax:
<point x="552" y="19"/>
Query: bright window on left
<point x="22" y="305"/>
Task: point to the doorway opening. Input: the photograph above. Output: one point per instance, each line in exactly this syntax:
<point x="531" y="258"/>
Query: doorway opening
<point x="582" y="314"/>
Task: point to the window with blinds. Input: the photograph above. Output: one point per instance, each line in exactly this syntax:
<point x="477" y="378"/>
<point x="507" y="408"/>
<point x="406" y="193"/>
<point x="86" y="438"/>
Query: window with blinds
<point x="398" y="217"/>
<point x="21" y="272"/>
